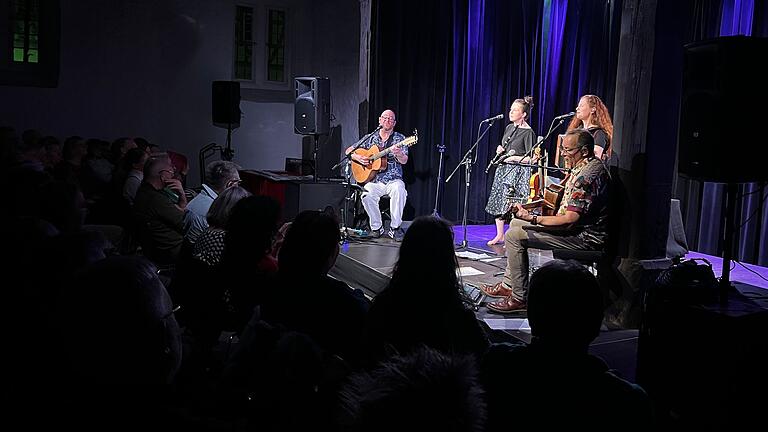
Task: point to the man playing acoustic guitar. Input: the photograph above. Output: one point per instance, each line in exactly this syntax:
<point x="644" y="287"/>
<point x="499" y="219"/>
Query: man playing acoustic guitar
<point x="388" y="181"/>
<point x="579" y="224"/>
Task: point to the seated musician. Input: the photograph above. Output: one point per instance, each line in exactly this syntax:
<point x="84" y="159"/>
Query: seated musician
<point x="388" y="181"/>
<point x="579" y="224"/>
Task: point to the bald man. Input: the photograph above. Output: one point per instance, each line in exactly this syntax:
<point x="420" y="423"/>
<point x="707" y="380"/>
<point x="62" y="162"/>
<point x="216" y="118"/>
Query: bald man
<point x="388" y="181"/>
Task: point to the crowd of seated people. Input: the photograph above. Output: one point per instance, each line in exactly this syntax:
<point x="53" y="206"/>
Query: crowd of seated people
<point x="248" y="331"/>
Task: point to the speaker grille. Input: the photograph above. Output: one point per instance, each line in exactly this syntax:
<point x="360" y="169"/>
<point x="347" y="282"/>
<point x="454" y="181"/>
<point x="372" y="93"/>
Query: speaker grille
<point x="312" y="105"/>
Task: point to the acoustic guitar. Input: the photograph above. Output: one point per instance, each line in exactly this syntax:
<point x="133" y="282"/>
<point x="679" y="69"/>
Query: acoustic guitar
<point x="547" y="206"/>
<point x="378" y="158"/>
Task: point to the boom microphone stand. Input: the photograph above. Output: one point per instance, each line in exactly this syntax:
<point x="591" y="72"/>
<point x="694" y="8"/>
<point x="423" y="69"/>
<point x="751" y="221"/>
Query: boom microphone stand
<point x="468" y="160"/>
<point x="552" y="128"/>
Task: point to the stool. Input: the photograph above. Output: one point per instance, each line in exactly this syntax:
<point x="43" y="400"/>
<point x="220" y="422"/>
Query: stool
<point x="589" y="258"/>
<point x="384" y="207"/>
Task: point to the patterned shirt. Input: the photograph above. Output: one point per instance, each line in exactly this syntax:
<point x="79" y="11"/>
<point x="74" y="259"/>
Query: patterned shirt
<point x="586" y="193"/>
<point x="393" y="170"/>
<point x="210" y="246"/>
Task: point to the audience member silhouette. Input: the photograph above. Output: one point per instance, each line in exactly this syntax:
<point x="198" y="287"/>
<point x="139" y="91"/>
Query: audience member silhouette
<point x="272" y="371"/>
<point x="97" y="169"/>
<point x="31" y="154"/>
<point x="51" y="153"/>
<point x="117" y="349"/>
<point x="425" y="390"/>
<point x="219" y="176"/>
<point x="423" y="303"/>
<point x="196" y="283"/>
<point x="159" y="212"/>
<point x="119" y="148"/>
<point x="210" y="245"/>
<point x="306" y="299"/>
<point x="9" y="143"/>
<point x="70" y="167"/>
<point x="130" y="173"/>
<point x="554" y="382"/>
<point x="245" y="262"/>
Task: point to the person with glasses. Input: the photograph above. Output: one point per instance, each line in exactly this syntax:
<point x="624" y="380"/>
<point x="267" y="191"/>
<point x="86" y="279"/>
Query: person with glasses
<point x="219" y="175"/>
<point x="388" y="181"/>
<point x="512" y="181"/>
<point x="593" y="115"/>
<point x="159" y="212"/>
<point x="579" y="224"/>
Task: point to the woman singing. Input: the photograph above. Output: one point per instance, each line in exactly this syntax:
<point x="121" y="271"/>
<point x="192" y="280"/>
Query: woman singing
<point x="592" y="115"/>
<point x="511" y="182"/>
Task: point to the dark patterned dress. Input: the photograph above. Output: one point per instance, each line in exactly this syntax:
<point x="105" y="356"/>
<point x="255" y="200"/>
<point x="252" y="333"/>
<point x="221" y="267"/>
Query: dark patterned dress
<point x="509" y="176"/>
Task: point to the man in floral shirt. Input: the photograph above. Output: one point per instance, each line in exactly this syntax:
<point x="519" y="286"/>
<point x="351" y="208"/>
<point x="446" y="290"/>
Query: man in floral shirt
<point x="389" y="180"/>
<point x="580" y="222"/>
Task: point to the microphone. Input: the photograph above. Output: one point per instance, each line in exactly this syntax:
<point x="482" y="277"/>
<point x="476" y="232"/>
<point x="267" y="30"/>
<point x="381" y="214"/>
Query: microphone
<point x="498" y="158"/>
<point x="565" y="116"/>
<point x="378" y="128"/>
<point x="494" y="118"/>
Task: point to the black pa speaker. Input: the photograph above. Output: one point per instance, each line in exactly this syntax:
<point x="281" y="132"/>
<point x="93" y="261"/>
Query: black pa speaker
<point x="723" y="110"/>
<point x="225" y="102"/>
<point x="300" y="196"/>
<point x="312" y="108"/>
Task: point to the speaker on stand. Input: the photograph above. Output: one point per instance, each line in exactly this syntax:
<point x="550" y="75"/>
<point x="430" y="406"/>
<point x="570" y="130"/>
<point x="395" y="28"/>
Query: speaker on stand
<point x="719" y="75"/>
<point x="225" y="101"/>
<point x="312" y="109"/>
<point x="702" y="345"/>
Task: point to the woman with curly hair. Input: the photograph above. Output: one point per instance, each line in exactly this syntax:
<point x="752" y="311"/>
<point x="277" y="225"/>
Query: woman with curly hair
<point x="592" y="115"/>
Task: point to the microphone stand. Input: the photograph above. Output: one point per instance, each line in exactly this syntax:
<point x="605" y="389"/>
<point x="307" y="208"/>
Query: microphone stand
<point x="468" y="161"/>
<point x="496" y="160"/>
<point x="552" y="128"/>
<point x="440" y="149"/>
<point x="529" y="153"/>
<point x="345" y="160"/>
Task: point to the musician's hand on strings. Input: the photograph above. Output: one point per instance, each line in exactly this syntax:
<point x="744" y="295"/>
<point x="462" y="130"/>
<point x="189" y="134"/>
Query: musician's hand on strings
<point x="520" y="212"/>
<point x="398" y="152"/>
<point x="500" y="149"/>
<point x="361" y="159"/>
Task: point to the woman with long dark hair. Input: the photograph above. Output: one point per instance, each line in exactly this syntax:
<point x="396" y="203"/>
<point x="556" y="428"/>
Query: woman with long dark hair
<point x="423" y="303"/>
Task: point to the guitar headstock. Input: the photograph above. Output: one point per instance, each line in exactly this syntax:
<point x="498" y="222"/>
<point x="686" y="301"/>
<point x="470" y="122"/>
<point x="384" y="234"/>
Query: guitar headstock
<point x="411" y="140"/>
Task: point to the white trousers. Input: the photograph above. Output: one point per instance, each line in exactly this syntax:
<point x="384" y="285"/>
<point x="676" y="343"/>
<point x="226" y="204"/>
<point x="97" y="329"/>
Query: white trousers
<point x="397" y="195"/>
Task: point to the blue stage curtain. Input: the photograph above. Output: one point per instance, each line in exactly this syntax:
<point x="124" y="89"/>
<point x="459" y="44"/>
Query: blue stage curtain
<point x="444" y="66"/>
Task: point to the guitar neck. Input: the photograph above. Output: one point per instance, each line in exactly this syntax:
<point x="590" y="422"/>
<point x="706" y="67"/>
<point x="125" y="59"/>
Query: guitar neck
<point x="404" y="143"/>
<point x="384" y="152"/>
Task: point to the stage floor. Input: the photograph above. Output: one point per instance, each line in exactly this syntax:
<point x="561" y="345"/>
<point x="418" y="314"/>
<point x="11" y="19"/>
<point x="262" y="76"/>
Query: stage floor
<point x="367" y="264"/>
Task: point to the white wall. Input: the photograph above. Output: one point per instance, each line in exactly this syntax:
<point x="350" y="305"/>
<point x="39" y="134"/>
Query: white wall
<point x="144" y="68"/>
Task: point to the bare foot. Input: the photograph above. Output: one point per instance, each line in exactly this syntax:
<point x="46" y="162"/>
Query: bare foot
<point x="495" y="240"/>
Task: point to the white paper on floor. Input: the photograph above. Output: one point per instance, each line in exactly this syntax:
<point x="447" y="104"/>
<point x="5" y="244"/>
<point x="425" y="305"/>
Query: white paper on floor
<point x="472" y="255"/>
<point x="490" y="259"/>
<point x="469" y="271"/>
<point x="508" y="324"/>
